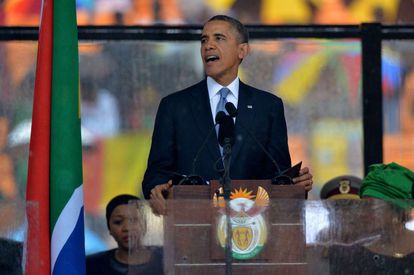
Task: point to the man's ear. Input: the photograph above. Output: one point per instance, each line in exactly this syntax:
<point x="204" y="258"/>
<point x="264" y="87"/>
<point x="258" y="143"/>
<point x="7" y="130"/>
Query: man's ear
<point x="244" y="50"/>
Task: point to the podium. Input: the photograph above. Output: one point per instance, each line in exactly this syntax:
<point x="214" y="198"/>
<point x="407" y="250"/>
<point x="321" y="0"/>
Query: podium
<point x="193" y="240"/>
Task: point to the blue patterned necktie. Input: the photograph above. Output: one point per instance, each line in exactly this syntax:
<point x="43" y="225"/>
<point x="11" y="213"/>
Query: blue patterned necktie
<point x="221" y="107"/>
<point x="223" y="100"/>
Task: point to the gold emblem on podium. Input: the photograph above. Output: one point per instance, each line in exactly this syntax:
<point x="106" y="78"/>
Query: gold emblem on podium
<point x="242" y="237"/>
<point x="249" y="230"/>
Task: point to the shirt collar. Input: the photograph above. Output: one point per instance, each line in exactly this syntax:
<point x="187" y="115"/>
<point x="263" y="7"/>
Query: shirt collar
<point x="214" y="87"/>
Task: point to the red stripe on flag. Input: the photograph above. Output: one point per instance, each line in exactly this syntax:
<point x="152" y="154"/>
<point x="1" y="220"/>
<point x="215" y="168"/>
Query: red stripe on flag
<point x="38" y="241"/>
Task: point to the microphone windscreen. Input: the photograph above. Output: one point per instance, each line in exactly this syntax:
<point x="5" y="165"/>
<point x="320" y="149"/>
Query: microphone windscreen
<point x="192" y="180"/>
<point x="226" y="130"/>
<point x="220" y="116"/>
<point x="231" y="109"/>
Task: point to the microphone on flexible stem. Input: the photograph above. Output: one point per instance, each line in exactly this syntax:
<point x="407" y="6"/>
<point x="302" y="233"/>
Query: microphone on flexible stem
<point x="194" y="179"/>
<point x="226" y="140"/>
<point x="219" y="117"/>
<point x="231" y="109"/>
<point x="279" y="179"/>
<point x="226" y="131"/>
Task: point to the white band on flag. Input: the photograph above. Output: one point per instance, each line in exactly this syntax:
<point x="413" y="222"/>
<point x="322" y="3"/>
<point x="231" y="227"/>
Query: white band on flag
<point x="66" y="223"/>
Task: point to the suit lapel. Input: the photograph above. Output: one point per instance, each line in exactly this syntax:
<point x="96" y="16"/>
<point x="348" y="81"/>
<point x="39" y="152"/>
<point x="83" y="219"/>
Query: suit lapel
<point x="246" y="113"/>
<point x="202" y="114"/>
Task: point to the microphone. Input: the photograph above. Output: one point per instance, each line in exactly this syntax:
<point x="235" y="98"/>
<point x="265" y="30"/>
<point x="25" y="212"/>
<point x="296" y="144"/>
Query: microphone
<point x="192" y="180"/>
<point x="279" y="179"/>
<point x="219" y="118"/>
<point x="226" y="131"/>
<point x="231" y="109"/>
<point x="181" y="179"/>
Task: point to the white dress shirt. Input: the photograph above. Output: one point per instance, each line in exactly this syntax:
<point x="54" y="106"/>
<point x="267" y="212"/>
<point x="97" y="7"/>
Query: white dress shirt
<point x="214" y="94"/>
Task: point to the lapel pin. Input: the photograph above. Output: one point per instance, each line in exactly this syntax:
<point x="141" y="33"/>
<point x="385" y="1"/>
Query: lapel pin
<point x="249" y="107"/>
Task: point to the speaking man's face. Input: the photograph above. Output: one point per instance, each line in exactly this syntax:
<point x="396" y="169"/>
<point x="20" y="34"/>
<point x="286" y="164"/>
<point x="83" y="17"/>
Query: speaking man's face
<point x="221" y="51"/>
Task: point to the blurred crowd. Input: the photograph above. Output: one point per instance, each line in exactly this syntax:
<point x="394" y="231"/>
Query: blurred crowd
<point x="170" y="12"/>
<point x="122" y="83"/>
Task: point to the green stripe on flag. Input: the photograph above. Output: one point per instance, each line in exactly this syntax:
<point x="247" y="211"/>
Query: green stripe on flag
<point x="66" y="147"/>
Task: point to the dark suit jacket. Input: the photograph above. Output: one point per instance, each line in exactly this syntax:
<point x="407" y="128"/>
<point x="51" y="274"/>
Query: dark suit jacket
<point x="184" y="120"/>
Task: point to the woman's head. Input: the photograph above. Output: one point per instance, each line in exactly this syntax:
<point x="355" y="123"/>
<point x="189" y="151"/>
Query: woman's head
<point x="394" y="184"/>
<point x="388" y="182"/>
<point x="125" y="220"/>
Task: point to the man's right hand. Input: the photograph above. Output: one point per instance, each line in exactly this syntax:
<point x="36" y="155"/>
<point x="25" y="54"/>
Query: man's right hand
<point x="157" y="198"/>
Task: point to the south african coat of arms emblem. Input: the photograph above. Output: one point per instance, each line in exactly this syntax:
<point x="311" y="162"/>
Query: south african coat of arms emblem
<point x="248" y="227"/>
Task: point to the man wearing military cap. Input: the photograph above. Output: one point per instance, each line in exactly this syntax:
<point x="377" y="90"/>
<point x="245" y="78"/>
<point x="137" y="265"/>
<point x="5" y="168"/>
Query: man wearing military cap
<point x="342" y="187"/>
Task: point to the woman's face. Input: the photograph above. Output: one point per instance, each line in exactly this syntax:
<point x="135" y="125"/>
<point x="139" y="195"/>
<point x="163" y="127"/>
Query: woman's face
<point x="126" y="226"/>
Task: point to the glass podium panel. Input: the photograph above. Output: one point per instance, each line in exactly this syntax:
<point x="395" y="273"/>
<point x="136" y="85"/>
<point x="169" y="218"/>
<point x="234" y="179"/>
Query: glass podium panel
<point x="278" y="236"/>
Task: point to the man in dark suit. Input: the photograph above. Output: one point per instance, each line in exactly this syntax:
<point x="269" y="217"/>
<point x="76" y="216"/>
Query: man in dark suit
<point x="184" y="120"/>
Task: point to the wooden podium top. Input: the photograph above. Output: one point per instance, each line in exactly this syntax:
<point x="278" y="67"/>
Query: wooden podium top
<point x="207" y="191"/>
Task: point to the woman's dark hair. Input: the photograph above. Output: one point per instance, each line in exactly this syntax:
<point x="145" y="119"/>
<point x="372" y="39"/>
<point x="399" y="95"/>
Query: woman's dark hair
<point x="116" y="201"/>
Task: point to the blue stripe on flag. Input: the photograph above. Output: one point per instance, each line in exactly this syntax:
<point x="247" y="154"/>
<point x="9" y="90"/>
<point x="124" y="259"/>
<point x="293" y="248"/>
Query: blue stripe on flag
<point x="71" y="259"/>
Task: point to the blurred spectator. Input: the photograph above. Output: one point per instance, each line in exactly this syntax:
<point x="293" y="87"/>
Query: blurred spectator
<point x="2" y="16"/>
<point x="99" y="110"/>
<point x="407" y="103"/>
<point x="333" y="12"/>
<point x="10" y="256"/>
<point x="372" y="236"/>
<point x="146" y="12"/>
<point x="195" y="11"/>
<point x="127" y="225"/>
<point x="111" y="12"/>
<point x="144" y="101"/>
<point x="389" y="248"/>
<point x="280" y="11"/>
<point x="405" y="12"/>
<point x="21" y="12"/>
<point x="247" y="11"/>
<point x="12" y="233"/>
<point x="7" y="182"/>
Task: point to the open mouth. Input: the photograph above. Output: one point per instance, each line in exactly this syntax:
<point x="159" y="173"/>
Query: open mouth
<point x="211" y="58"/>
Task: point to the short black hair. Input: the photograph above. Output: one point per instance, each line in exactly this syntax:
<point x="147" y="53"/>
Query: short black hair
<point x="236" y="24"/>
<point x="116" y="201"/>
